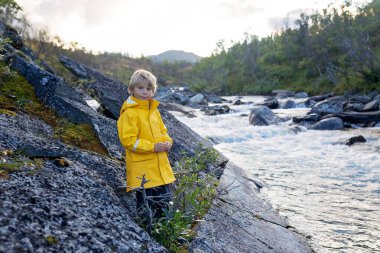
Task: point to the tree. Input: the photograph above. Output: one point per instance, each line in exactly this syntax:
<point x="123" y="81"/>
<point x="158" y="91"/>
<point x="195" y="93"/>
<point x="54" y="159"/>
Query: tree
<point x="9" y="10"/>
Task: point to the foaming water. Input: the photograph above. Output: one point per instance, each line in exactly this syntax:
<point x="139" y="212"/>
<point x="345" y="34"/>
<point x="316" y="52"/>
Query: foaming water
<point x="328" y="191"/>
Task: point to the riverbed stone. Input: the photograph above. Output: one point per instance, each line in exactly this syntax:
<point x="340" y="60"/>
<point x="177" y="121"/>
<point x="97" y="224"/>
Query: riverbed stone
<point x="333" y="123"/>
<point x="332" y="105"/>
<point x="197" y="99"/>
<point x="301" y="95"/>
<point x="355" y="139"/>
<point x="371" y="106"/>
<point x="263" y="116"/>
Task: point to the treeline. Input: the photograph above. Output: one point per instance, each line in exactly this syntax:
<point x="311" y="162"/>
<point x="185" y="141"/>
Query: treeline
<point x="336" y="50"/>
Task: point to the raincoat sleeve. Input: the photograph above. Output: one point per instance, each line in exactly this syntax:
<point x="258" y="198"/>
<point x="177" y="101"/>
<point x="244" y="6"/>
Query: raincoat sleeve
<point x="128" y="132"/>
<point x="163" y="129"/>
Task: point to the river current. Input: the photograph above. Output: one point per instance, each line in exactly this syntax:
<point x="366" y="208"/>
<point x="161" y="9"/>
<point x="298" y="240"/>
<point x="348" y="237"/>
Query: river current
<point x="328" y="191"/>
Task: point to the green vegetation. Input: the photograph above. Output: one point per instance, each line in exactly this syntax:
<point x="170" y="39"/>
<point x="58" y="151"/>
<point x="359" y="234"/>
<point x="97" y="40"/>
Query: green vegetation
<point x="194" y="191"/>
<point x="51" y="240"/>
<point x="330" y="51"/>
<point x="335" y="50"/>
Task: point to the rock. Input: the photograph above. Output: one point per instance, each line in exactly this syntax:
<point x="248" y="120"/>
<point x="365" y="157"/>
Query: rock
<point x="356" y="107"/>
<point x="371" y="106"/>
<point x="211" y="98"/>
<point x="301" y="95"/>
<point x="359" y="99"/>
<point x="332" y="105"/>
<point x="289" y="104"/>
<point x="263" y="116"/>
<point x="310" y="118"/>
<point x="214" y="110"/>
<point x="110" y="93"/>
<point x="358" y="117"/>
<point x="354" y="140"/>
<point x="197" y="99"/>
<point x="182" y="99"/>
<point x="10" y="33"/>
<point x="334" y="123"/>
<point x="310" y="102"/>
<point x="237" y="102"/>
<point x="271" y="102"/>
<point x="60" y="209"/>
<point x="70" y="103"/>
<point x="373" y="94"/>
<point x="283" y="93"/>
<point x="188" y="111"/>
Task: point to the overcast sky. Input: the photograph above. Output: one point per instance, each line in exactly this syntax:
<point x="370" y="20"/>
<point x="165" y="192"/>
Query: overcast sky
<point x="153" y="26"/>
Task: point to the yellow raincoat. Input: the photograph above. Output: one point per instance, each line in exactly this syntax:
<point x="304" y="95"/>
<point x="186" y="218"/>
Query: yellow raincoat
<point x="140" y="126"/>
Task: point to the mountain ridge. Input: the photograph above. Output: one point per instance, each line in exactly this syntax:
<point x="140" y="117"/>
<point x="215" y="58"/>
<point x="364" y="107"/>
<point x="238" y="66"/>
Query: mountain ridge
<point x="172" y="56"/>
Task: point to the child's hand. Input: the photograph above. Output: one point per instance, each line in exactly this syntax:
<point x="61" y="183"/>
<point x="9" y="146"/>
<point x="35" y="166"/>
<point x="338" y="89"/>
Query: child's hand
<point x="168" y="146"/>
<point x="160" y="147"/>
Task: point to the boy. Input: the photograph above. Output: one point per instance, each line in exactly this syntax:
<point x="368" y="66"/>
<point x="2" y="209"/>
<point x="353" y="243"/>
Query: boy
<point x="144" y="136"/>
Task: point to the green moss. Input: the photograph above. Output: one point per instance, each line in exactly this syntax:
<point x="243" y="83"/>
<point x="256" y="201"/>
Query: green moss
<point x="7" y="112"/>
<point x="51" y="240"/>
<point x="81" y="135"/>
<point x="9" y="167"/>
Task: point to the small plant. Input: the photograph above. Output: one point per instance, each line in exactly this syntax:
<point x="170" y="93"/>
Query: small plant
<point x="192" y="197"/>
<point x="51" y="240"/>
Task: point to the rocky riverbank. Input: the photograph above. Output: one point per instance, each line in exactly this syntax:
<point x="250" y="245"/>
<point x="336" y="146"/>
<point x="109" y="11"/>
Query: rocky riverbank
<point x="59" y="198"/>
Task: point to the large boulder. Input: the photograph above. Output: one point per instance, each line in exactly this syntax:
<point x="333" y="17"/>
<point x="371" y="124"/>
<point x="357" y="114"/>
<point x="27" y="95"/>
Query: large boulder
<point x="263" y="116"/>
<point x="110" y="93"/>
<point x="69" y="103"/>
<point x="49" y="208"/>
<point x="333" y="123"/>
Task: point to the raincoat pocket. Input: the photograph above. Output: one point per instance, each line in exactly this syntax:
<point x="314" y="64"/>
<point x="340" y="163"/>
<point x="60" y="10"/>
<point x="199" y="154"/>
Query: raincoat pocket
<point x="137" y="157"/>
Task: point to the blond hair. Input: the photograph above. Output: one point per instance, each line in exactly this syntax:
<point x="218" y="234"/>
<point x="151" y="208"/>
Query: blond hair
<point x="144" y="77"/>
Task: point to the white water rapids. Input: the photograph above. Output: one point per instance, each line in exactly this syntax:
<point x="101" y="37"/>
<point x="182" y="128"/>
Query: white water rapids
<point x="328" y="191"/>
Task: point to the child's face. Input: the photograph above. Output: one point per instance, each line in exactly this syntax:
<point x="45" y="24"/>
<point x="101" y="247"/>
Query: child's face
<point x="142" y="92"/>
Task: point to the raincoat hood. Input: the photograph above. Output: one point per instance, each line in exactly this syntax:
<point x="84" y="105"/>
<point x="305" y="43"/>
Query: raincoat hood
<point x="150" y="104"/>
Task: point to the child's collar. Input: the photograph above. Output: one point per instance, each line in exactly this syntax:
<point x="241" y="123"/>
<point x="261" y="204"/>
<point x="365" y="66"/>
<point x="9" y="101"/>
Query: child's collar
<point x="150" y="104"/>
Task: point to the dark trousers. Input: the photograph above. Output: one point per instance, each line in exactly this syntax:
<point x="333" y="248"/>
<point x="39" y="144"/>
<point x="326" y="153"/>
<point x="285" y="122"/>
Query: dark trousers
<point x="158" y="199"/>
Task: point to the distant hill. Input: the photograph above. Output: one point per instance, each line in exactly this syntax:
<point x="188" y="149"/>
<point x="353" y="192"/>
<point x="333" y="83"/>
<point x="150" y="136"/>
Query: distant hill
<point x="175" y="55"/>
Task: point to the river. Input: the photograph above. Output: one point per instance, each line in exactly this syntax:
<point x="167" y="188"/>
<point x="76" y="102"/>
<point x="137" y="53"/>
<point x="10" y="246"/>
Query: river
<point x="328" y="191"/>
